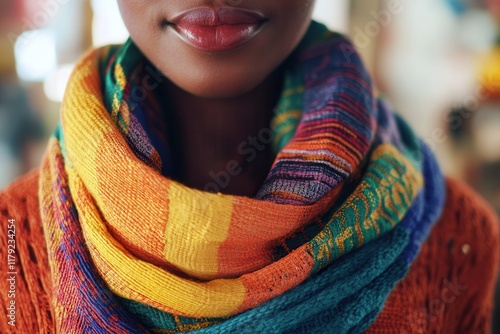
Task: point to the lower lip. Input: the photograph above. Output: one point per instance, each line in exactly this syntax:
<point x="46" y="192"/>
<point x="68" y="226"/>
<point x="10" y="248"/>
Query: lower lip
<point x="218" y="38"/>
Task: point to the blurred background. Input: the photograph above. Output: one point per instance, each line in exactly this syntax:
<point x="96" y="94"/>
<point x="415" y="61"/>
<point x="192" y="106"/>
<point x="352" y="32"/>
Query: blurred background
<point x="437" y="61"/>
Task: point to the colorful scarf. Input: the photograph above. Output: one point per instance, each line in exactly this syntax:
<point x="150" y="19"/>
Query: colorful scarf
<point x="349" y="200"/>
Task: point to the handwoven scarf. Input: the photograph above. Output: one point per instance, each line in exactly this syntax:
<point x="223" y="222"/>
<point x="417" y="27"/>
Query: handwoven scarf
<point x="343" y="212"/>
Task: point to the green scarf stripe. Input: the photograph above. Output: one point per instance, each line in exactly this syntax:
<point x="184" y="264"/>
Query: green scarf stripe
<point x="372" y="210"/>
<point x="412" y="148"/>
<point x="289" y="111"/>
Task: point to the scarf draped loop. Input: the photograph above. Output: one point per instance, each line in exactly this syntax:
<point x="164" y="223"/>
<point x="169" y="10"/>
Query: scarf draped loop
<point x="350" y="198"/>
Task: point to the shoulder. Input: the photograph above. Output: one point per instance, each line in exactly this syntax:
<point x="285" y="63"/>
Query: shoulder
<point x="20" y="199"/>
<point x="468" y="219"/>
<point x="461" y="259"/>
<point x="466" y="241"/>
<point x="23" y="247"/>
<point x="450" y="286"/>
<point x="17" y="193"/>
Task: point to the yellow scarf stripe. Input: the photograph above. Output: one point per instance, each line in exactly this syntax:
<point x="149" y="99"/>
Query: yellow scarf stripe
<point x="132" y="278"/>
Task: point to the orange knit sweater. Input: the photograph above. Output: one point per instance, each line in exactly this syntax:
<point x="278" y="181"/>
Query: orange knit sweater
<point x="449" y="288"/>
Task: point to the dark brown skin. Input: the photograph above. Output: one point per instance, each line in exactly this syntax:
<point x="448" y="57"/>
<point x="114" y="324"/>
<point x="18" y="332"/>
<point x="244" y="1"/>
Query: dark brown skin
<point x="220" y="99"/>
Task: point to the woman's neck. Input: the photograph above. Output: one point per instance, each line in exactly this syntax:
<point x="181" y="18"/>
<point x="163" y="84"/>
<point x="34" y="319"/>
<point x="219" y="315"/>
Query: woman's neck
<point x="223" y="145"/>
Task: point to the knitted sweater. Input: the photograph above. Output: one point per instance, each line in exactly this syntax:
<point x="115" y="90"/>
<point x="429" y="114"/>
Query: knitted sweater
<point x="449" y="288"/>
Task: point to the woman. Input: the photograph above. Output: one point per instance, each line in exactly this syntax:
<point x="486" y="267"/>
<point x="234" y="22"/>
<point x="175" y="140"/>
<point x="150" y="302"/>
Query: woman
<point x="166" y="208"/>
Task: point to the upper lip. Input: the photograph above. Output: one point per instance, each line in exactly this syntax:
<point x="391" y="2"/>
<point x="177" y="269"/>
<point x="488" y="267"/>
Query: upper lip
<point x="208" y="16"/>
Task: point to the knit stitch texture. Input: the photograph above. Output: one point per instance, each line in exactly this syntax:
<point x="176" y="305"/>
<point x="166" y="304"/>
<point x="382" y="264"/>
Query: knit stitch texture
<point x="340" y="219"/>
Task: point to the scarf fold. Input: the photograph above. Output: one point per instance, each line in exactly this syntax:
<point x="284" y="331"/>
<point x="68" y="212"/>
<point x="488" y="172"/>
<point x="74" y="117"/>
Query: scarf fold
<point x="348" y="202"/>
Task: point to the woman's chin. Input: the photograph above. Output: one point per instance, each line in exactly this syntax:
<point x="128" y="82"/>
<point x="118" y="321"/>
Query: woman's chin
<point x="223" y="89"/>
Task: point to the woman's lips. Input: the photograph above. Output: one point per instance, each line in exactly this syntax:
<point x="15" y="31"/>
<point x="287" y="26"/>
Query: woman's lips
<point x="217" y="30"/>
